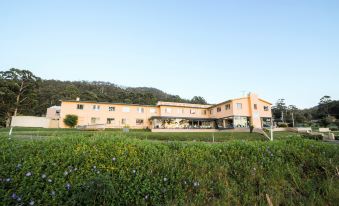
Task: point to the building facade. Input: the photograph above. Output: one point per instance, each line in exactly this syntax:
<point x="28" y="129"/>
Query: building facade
<point x="235" y="113"/>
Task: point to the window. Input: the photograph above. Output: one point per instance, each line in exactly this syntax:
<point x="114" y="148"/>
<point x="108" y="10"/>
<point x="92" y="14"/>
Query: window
<point x="140" y="110"/>
<point x="218" y="109"/>
<point x="203" y="112"/>
<point x="227" y="107"/>
<point x="110" y="120"/>
<point x="80" y="106"/>
<point x="239" y="106"/>
<point x="211" y="111"/>
<point x="168" y="110"/>
<point x="255" y="106"/>
<point x="266" y="108"/>
<point x="111" y="109"/>
<point x="181" y="111"/>
<point x="94" y="120"/>
<point x="192" y="111"/>
<point x="96" y="107"/>
<point x="123" y="121"/>
<point x="153" y="111"/>
<point x="125" y="109"/>
<point x="139" y="121"/>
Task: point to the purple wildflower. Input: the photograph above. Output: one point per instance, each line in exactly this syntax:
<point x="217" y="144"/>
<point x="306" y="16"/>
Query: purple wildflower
<point x="68" y="186"/>
<point x="14" y="196"/>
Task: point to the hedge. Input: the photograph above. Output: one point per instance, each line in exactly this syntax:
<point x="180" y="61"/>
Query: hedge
<point x="104" y="170"/>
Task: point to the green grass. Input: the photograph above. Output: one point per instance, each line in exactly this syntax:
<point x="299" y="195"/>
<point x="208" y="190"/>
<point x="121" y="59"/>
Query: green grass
<point x="115" y="168"/>
<point x="40" y="133"/>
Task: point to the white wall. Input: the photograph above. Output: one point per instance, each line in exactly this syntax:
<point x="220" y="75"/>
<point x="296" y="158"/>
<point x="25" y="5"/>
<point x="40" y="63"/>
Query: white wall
<point x="31" y="121"/>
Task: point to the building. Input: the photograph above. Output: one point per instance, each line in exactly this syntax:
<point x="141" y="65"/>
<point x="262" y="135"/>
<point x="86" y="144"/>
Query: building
<point x="235" y="113"/>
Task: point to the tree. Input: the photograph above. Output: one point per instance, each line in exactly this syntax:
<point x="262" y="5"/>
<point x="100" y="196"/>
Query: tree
<point x="323" y="106"/>
<point x="18" y="89"/>
<point x="279" y="110"/>
<point x="71" y="120"/>
<point x="198" y="100"/>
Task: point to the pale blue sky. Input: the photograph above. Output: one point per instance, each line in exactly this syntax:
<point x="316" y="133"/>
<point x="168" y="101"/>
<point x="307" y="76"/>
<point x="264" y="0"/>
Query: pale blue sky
<point x="215" y="49"/>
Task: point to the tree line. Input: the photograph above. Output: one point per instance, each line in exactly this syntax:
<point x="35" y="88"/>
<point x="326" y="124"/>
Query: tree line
<point x="325" y="114"/>
<point x="23" y="93"/>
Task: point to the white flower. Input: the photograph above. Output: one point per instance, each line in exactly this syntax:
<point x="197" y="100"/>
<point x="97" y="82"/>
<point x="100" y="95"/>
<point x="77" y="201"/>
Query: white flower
<point x="114" y="159"/>
<point x="28" y="174"/>
<point x="165" y="179"/>
<point x="49" y="180"/>
<point x="31" y="202"/>
<point x="43" y="176"/>
<point x="65" y="173"/>
<point x="196" y="184"/>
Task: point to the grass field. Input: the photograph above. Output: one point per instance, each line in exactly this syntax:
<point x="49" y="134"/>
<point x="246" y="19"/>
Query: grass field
<point x="70" y="167"/>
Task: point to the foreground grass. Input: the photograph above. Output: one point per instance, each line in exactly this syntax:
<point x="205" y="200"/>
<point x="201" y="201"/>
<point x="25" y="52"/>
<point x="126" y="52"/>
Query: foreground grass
<point x="101" y="169"/>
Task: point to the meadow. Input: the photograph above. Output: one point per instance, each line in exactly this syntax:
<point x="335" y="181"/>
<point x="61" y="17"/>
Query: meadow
<point x="70" y="167"/>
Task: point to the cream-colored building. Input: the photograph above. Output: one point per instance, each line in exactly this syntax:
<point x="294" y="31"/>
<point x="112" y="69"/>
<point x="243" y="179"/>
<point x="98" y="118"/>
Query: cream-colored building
<point x="235" y="113"/>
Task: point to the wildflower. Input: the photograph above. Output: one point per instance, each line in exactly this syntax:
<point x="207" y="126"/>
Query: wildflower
<point x="14" y="196"/>
<point x="94" y="167"/>
<point x="52" y="193"/>
<point x="196" y="184"/>
<point x="165" y="179"/>
<point x="49" y="180"/>
<point x="8" y="179"/>
<point x="18" y="199"/>
<point x="65" y="173"/>
<point x="134" y="171"/>
<point x="114" y="159"/>
<point x="18" y="166"/>
<point x="28" y="174"/>
<point x="146" y="197"/>
<point x="43" y="176"/>
<point x="31" y="202"/>
<point x="185" y="182"/>
<point x="75" y="169"/>
<point x="68" y="186"/>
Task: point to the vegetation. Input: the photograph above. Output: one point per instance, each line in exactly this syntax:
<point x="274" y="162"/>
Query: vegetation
<point x="71" y="120"/>
<point x="325" y="114"/>
<point x="113" y="169"/>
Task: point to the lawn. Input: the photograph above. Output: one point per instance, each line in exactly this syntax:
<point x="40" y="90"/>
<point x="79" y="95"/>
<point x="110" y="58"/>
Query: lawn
<point x="40" y="133"/>
<point x="70" y="167"/>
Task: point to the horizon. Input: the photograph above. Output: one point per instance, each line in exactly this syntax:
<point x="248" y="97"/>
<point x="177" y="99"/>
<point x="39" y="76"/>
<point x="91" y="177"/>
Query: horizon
<point x="217" y="50"/>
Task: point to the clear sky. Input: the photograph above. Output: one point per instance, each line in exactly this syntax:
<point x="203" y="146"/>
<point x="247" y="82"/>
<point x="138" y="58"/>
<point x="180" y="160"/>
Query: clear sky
<point x="215" y="49"/>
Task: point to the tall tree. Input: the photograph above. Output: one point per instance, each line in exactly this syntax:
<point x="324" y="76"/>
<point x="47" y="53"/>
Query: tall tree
<point x="19" y="91"/>
<point x="198" y="100"/>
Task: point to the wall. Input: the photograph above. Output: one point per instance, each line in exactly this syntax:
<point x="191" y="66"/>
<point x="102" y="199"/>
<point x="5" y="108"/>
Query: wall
<point x="31" y="121"/>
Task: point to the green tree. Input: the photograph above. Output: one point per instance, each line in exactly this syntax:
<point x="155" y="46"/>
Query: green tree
<point x="71" y="120"/>
<point x="18" y="89"/>
<point x="198" y="100"/>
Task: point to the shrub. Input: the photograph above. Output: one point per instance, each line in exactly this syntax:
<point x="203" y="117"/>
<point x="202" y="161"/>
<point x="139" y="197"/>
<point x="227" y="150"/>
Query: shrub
<point x="71" y="120"/>
<point x="282" y="124"/>
<point x="110" y="170"/>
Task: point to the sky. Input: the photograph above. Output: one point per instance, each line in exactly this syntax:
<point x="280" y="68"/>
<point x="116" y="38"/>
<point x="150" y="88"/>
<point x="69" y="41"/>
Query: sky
<point x="216" y="49"/>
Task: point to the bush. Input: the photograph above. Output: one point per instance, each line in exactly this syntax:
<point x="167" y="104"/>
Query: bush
<point x="282" y="124"/>
<point x="108" y="170"/>
<point x="312" y="137"/>
<point x="71" y="120"/>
